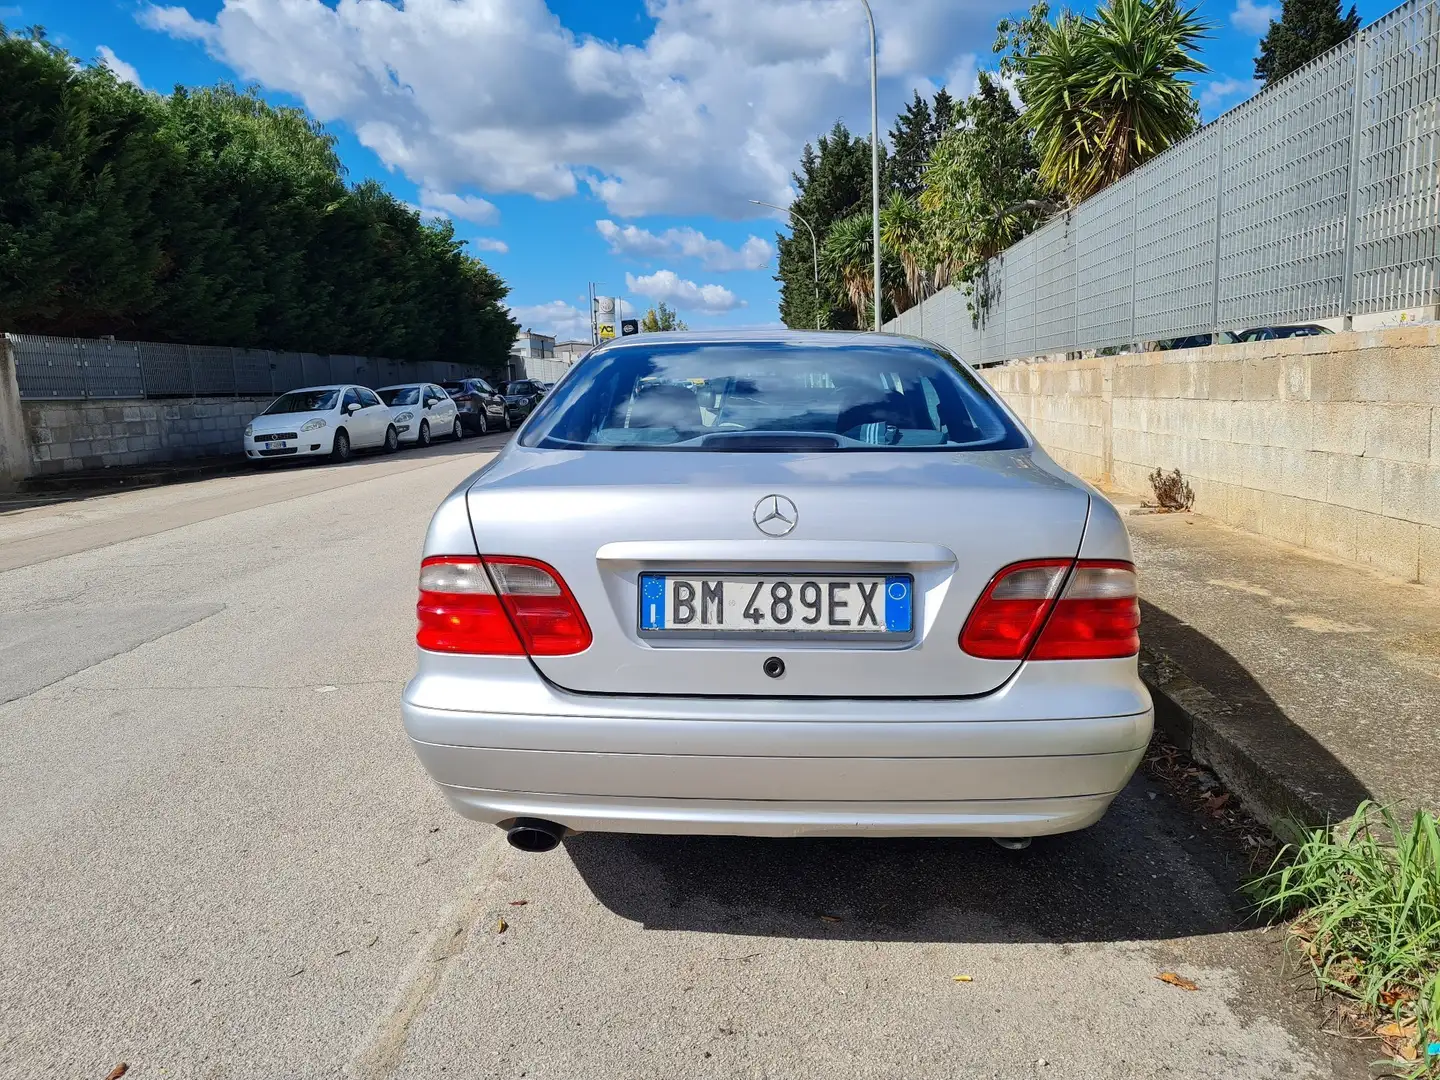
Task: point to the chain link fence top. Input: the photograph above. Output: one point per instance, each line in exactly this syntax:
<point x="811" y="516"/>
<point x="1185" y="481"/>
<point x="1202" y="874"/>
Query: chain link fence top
<point x="1319" y="198"/>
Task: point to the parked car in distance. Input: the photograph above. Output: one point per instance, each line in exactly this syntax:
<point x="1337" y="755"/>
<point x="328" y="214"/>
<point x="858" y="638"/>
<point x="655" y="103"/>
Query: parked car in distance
<point x="523" y="395"/>
<point x="1271" y="333"/>
<point x="421" y="411"/>
<point x="321" y="421"/>
<point x="806" y="583"/>
<point x="1197" y="341"/>
<point x="481" y="407"/>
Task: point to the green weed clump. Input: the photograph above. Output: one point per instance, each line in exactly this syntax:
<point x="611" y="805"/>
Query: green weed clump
<point x="1365" y="905"/>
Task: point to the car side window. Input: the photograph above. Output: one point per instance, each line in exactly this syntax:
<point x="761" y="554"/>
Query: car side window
<point x="483" y="386"/>
<point x="351" y="398"/>
<point x="367" y="397"/>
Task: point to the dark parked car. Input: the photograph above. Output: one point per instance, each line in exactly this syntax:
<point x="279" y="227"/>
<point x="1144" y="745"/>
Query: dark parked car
<point x="482" y="407"/>
<point x="1198" y="341"/>
<point x="1270" y="333"/>
<point x="523" y="395"/>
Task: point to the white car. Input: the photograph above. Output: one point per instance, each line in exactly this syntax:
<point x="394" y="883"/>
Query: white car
<point x="321" y="421"/>
<point x="421" y="411"/>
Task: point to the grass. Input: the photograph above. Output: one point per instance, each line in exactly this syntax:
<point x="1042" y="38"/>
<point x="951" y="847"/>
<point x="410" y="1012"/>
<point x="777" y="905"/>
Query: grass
<point x="1365" y="906"/>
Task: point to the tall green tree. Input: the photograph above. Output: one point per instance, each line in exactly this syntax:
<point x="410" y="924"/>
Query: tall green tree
<point x="660" y="318"/>
<point x="1103" y="95"/>
<point x="213" y="217"/>
<point x="982" y="189"/>
<point x="911" y="140"/>
<point x="1306" y="29"/>
<point x="833" y="182"/>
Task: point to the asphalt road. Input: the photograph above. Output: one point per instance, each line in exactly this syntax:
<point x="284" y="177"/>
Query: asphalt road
<point x="218" y="858"/>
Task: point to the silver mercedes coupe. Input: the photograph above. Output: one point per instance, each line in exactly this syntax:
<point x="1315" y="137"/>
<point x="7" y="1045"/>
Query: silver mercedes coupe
<point x="777" y="584"/>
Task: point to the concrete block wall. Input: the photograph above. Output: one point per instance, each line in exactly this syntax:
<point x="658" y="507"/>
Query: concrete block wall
<point x="69" y="435"/>
<point x="1331" y="443"/>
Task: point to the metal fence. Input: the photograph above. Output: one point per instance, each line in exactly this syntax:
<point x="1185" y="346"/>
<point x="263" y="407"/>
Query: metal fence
<point x="54" y="367"/>
<point x="1318" y="198"/>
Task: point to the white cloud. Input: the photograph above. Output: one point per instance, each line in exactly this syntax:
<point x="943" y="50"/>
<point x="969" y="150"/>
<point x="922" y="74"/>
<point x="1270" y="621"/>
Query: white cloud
<point x="753" y="254"/>
<point x="489" y="243"/>
<point x="177" y="22"/>
<point x="670" y="287"/>
<point x="565" y="321"/>
<point x="1253" y="18"/>
<point x="1220" y="94"/>
<point x="706" y="113"/>
<point x="470" y="208"/>
<point x="121" y="70"/>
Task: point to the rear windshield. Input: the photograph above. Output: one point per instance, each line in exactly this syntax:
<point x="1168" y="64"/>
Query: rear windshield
<point x="400" y="395"/>
<point x="771" y="396"/>
<point x="298" y="401"/>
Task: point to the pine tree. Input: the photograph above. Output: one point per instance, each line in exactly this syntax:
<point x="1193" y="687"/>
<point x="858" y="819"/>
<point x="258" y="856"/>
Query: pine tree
<point x="1306" y="29"/>
<point x="912" y="138"/>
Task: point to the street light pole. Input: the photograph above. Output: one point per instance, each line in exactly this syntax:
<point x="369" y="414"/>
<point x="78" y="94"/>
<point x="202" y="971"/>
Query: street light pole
<point x="814" y="249"/>
<point x="874" y="157"/>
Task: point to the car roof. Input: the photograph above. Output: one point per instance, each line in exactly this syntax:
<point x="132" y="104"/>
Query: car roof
<point x="402" y="385"/>
<point x="316" y="389"/>
<point x="815" y="338"/>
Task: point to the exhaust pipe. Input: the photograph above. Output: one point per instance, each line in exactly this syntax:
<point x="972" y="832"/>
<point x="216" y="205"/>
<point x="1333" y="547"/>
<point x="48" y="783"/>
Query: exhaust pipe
<point x="534" y="834"/>
<point x="1012" y="843"/>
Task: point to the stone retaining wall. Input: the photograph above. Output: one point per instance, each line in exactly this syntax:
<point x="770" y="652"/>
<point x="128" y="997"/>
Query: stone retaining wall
<point x="1330" y="442"/>
<point x="70" y="435"/>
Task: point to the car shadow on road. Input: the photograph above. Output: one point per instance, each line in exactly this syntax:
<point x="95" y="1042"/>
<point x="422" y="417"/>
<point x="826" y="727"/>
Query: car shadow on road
<point x="1142" y="873"/>
<point x="1212" y="698"/>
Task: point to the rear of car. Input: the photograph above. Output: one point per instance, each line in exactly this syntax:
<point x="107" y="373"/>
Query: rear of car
<point x="797" y="584"/>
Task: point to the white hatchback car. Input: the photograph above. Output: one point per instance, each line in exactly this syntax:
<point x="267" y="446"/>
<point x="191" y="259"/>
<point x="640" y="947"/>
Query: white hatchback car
<point x="785" y="584"/>
<point x="321" y="421"/>
<point x="421" y="411"/>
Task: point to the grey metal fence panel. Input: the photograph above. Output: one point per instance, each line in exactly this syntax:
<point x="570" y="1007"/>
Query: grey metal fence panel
<point x="288" y="372"/>
<point x="1054" y="314"/>
<point x="316" y="370"/>
<point x="1397" y="256"/>
<point x="213" y="369"/>
<point x="1317" y="199"/>
<point x="47" y="367"/>
<point x="1174" y="264"/>
<point x="112" y="369"/>
<point x="252" y="371"/>
<point x="1285" y="177"/>
<point x="1105" y="266"/>
<point x="166" y="369"/>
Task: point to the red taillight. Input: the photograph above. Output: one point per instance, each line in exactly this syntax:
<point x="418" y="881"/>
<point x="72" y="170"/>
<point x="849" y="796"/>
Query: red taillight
<point x="519" y="606"/>
<point x="1012" y="608"/>
<point x="1096" y="617"/>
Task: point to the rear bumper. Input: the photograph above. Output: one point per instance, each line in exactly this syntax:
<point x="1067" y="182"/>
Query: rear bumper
<point x="746" y="768"/>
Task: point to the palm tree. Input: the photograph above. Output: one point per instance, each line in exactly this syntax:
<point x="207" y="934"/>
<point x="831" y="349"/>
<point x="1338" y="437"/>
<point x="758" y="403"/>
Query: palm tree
<point x="1104" y="94"/>
<point x="846" y="258"/>
<point x="904" y="234"/>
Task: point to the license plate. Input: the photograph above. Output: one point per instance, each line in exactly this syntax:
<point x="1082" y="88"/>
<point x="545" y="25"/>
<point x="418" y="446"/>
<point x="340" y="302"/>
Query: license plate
<point x="274" y="446"/>
<point x="819" y="604"/>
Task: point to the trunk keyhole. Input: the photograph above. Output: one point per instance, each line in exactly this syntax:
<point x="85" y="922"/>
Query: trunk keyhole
<point x="774" y="667"/>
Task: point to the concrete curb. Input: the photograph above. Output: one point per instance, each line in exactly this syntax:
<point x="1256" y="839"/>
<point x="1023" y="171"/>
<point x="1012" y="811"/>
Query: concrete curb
<point x="1285" y="791"/>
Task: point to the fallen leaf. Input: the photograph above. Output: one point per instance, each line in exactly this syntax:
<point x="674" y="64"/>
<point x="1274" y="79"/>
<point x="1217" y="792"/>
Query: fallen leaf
<point x="1408" y="1052"/>
<point x="1391" y="997"/>
<point x="964" y="978"/>
<point x="501" y="926"/>
<point x="117" y="1072"/>
<point x="829" y="918"/>
<point x="1392" y="1030"/>
<point x="1176" y="980"/>
<point x="518" y="903"/>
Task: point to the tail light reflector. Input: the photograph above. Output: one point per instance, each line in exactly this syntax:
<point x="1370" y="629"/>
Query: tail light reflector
<point x="1012" y="609"/>
<point x="1023" y="612"/>
<point x="1096" y="618"/>
<point x="519" y="606"/>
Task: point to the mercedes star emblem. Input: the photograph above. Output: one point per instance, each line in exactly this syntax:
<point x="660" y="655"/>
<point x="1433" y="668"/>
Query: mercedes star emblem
<point x="775" y="515"/>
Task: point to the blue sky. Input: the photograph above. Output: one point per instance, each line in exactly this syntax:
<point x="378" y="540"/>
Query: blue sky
<point x="609" y="140"/>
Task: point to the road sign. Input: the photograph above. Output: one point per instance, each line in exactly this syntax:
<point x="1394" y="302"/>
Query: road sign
<point x="629" y="326"/>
